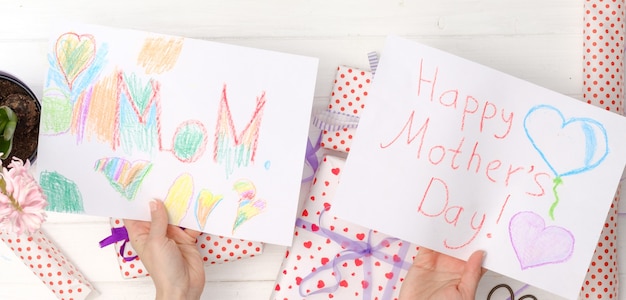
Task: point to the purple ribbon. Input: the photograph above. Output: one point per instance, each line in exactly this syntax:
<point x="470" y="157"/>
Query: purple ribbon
<point x="311" y="156"/>
<point x="118" y="234"/>
<point x="331" y="120"/>
<point x="373" y="58"/>
<point x="356" y="249"/>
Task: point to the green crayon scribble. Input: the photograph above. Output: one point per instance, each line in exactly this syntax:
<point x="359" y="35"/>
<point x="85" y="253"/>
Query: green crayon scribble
<point x="190" y="141"/>
<point x="557" y="181"/>
<point x="56" y="113"/>
<point x="63" y="194"/>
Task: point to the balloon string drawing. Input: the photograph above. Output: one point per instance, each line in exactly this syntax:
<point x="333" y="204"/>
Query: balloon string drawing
<point x="567" y="146"/>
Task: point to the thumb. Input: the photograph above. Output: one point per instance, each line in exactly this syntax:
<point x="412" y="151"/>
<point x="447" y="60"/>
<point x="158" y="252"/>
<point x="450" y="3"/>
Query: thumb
<point x="473" y="272"/>
<point x="158" y="214"/>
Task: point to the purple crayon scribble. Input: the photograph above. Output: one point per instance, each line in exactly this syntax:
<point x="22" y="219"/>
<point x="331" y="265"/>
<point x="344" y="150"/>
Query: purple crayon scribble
<point x="535" y="244"/>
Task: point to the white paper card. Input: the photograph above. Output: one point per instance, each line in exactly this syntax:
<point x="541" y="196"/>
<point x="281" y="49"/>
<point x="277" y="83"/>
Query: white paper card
<point x="458" y="157"/>
<point x="218" y="132"/>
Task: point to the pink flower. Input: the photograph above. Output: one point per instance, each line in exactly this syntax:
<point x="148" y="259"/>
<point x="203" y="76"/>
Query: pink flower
<point x="22" y="201"/>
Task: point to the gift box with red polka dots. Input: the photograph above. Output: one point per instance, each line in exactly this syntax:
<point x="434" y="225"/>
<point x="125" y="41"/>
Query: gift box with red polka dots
<point x="214" y="250"/>
<point x="332" y="258"/>
<point x="348" y="97"/>
<point x="48" y="264"/>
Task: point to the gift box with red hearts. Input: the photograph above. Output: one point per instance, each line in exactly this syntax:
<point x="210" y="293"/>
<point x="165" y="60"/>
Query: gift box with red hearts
<point x="332" y="258"/>
<point x="347" y="99"/>
<point x="214" y="250"/>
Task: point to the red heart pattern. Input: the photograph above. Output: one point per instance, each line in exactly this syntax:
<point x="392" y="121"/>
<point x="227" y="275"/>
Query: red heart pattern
<point x="313" y="251"/>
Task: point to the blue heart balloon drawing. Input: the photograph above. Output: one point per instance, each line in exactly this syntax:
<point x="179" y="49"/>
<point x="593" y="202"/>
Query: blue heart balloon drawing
<point x="568" y="146"/>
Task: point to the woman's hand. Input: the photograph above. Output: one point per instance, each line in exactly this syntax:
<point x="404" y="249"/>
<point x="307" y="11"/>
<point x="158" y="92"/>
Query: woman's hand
<point x="169" y="254"/>
<point x="438" y="276"/>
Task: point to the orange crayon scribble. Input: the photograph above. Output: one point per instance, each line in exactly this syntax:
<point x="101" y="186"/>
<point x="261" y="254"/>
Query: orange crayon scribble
<point x="104" y="110"/>
<point x="77" y="123"/>
<point x="159" y="55"/>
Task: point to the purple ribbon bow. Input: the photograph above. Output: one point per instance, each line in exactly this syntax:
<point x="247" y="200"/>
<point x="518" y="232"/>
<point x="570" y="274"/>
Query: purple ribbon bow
<point x="118" y="234"/>
<point x="311" y="156"/>
<point x="356" y="249"/>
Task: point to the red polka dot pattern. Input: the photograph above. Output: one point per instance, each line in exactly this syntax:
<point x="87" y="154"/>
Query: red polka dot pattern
<point x="603" y="70"/>
<point x="214" y="250"/>
<point x="320" y="249"/>
<point x="349" y="94"/>
<point x="48" y="264"/>
<point x="603" y="47"/>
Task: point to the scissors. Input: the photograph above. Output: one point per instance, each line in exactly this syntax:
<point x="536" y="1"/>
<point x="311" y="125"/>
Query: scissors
<point x="508" y="288"/>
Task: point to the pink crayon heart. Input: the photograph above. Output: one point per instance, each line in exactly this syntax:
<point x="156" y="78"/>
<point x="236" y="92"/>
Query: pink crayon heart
<point x="537" y="245"/>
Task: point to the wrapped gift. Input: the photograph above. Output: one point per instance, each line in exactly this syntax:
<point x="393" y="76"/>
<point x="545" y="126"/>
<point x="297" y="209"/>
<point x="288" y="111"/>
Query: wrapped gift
<point x="214" y="249"/>
<point x="347" y="101"/>
<point x="331" y="258"/>
<point x="603" y="86"/>
<point x="49" y="264"/>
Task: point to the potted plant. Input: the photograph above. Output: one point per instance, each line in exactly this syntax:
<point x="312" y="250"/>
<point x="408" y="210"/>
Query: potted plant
<point x="22" y="200"/>
<point x="19" y="120"/>
<point x="8" y="121"/>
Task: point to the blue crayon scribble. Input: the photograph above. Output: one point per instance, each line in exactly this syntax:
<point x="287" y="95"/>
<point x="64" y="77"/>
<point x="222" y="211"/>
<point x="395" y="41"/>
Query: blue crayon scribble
<point x="592" y="157"/>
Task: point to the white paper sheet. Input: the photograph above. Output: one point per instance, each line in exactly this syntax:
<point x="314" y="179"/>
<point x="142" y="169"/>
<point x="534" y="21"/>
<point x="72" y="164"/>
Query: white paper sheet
<point x="458" y="157"/>
<point x="216" y="131"/>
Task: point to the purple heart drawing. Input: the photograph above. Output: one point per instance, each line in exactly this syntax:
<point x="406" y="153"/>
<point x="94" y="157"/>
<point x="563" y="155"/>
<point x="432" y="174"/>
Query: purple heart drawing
<point x="537" y="245"/>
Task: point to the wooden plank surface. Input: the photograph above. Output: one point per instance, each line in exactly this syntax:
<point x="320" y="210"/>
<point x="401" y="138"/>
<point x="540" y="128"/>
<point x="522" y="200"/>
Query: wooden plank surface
<point x="536" y="40"/>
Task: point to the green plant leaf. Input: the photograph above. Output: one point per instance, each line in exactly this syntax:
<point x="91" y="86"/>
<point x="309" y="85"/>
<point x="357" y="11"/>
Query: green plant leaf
<point x="8" y="123"/>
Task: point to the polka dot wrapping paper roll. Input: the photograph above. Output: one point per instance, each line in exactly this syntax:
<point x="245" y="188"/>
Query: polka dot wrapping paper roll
<point x="214" y="250"/>
<point x="350" y="91"/>
<point x="48" y="264"/>
<point x="603" y="86"/>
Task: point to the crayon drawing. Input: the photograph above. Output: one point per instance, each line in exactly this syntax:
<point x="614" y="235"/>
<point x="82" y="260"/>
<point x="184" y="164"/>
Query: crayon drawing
<point x="63" y="194"/>
<point x="585" y="138"/>
<point x="178" y="198"/>
<point x="74" y="63"/>
<point x="249" y="206"/>
<point x="232" y="150"/>
<point x="537" y="245"/>
<point x="189" y="141"/>
<point x="205" y="204"/>
<point x="128" y="116"/>
<point x="159" y="54"/>
<point x="123" y="175"/>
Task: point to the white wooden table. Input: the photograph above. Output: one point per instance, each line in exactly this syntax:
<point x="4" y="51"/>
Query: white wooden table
<point x="536" y="40"/>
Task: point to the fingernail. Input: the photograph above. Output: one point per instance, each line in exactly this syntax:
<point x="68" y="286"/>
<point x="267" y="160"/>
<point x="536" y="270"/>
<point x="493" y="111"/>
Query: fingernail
<point x="153" y="206"/>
